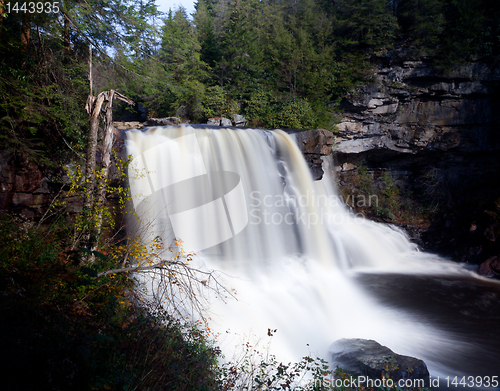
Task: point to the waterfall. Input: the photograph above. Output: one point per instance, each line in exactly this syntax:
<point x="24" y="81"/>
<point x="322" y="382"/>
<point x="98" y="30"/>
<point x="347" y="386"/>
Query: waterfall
<point x="244" y="200"/>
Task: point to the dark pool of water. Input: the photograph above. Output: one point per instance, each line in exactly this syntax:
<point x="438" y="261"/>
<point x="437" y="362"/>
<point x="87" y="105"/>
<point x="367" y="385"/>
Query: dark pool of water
<point x="465" y="308"/>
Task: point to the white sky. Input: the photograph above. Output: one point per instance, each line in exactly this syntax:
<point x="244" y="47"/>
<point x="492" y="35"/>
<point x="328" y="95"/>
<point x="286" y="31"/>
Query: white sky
<point x="164" y="5"/>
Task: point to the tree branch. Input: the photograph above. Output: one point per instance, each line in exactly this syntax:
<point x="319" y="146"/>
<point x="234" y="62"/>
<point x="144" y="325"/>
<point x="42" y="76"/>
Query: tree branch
<point x="159" y="265"/>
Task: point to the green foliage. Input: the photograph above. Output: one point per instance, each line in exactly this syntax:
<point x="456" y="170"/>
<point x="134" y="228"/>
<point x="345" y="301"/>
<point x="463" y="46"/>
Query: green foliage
<point x="294" y="113"/>
<point x="259" y="107"/>
<point x="70" y="330"/>
<point x="363" y="25"/>
<point x="101" y="211"/>
<point x="215" y="102"/>
<point x="452" y="31"/>
<point x="423" y="20"/>
<point x="378" y="196"/>
<point x="35" y="116"/>
<point x="264" y="110"/>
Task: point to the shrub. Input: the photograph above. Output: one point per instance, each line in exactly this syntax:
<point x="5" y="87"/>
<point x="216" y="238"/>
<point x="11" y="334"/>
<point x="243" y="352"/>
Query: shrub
<point x="217" y="104"/>
<point x="262" y="109"/>
<point x="295" y="113"/>
<point x="69" y="330"/>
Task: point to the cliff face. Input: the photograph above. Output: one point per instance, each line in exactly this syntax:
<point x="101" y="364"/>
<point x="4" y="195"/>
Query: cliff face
<point x="412" y="107"/>
<point x="26" y="188"/>
<point x="436" y="134"/>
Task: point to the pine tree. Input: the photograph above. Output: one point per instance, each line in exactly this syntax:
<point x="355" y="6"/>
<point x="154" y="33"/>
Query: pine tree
<point x="180" y="54"/>
<point x="422" y="20"/>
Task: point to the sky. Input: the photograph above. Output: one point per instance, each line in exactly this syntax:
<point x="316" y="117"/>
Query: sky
<point x="164" y="5"/>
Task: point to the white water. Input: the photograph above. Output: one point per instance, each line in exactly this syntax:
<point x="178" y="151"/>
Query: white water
<point x="292" y="246"/>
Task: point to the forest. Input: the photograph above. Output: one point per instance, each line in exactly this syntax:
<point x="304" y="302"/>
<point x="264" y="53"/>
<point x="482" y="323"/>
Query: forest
<point x="282" y="64"/>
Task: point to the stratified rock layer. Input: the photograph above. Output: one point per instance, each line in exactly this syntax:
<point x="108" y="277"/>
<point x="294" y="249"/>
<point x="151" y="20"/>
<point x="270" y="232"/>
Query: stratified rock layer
<point x="412" y="107"/>
<point x="437" y="134"/>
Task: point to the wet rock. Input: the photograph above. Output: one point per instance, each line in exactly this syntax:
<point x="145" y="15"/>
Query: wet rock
<point x="129" y="125"/>
<point x="490" y="268"/>
<point x="315" y="141"/>
<point x="313" y="144"/>
<point x="362" y="357"/>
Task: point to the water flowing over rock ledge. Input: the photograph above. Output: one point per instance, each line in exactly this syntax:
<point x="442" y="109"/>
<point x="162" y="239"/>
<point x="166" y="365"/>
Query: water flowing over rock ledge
<point x="27" y="188"/>
<point x="313" y="144"/>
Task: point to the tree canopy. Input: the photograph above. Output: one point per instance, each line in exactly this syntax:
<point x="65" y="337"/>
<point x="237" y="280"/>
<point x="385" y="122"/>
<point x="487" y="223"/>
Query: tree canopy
<point x="259" y="58"/>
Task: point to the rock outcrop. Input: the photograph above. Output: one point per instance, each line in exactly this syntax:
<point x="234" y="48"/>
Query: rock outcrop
<point x="490" y="268"/>
<point x="412" y="107"/>
<point x="129" y="125"/>
<point x="362" y="357"/>
<point x="168" y="121"/>
<point x="239" y="121"/>
<point x="27" y="188"/>
<point x="437" y="134"/>
<point x="313" y="144"/>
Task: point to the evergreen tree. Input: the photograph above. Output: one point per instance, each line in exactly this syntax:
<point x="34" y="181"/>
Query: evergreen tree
<point x="204" y="22"/>
<point x="180" y="54"/>
<point x="422" y="20"/>
<point x="362" y="25"/>
<point x="239" y="65"/>
<point x="472" y="30"/>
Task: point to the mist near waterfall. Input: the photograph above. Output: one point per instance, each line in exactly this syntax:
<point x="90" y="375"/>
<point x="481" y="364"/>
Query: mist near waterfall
<point x="299" y="260"/>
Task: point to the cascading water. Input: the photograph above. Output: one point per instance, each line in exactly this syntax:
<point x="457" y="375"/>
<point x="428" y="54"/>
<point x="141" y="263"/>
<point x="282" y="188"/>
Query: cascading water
<point x="245" y="201"/>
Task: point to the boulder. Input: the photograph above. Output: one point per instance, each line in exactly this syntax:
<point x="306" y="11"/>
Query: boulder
<point x="225" y="122"/>
<point x="313" y="144"/>
<point x="128" y="125"/>
<point x="315" y="141"/>
<point x="214" y="121"/>
<point x="163" y="121"/>
<point x="219" y="121"/>
<point x="239" y="120"/>
<point x="362" y="357"/>
<point x="490" y="268"/>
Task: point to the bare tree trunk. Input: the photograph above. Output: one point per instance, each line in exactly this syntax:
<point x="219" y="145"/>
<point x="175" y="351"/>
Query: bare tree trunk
<point x="107" y="146"/>
<point x="106" y="160"/>
<point x="88" y="203"/>
<point x="96" y="188"/>
<point x="25" y="33"/>
<point x="92" y="150"/>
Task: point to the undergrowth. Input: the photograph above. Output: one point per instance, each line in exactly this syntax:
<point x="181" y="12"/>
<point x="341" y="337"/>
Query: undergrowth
<point x="378" y="196"/>
<point x="65" y="328"/>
